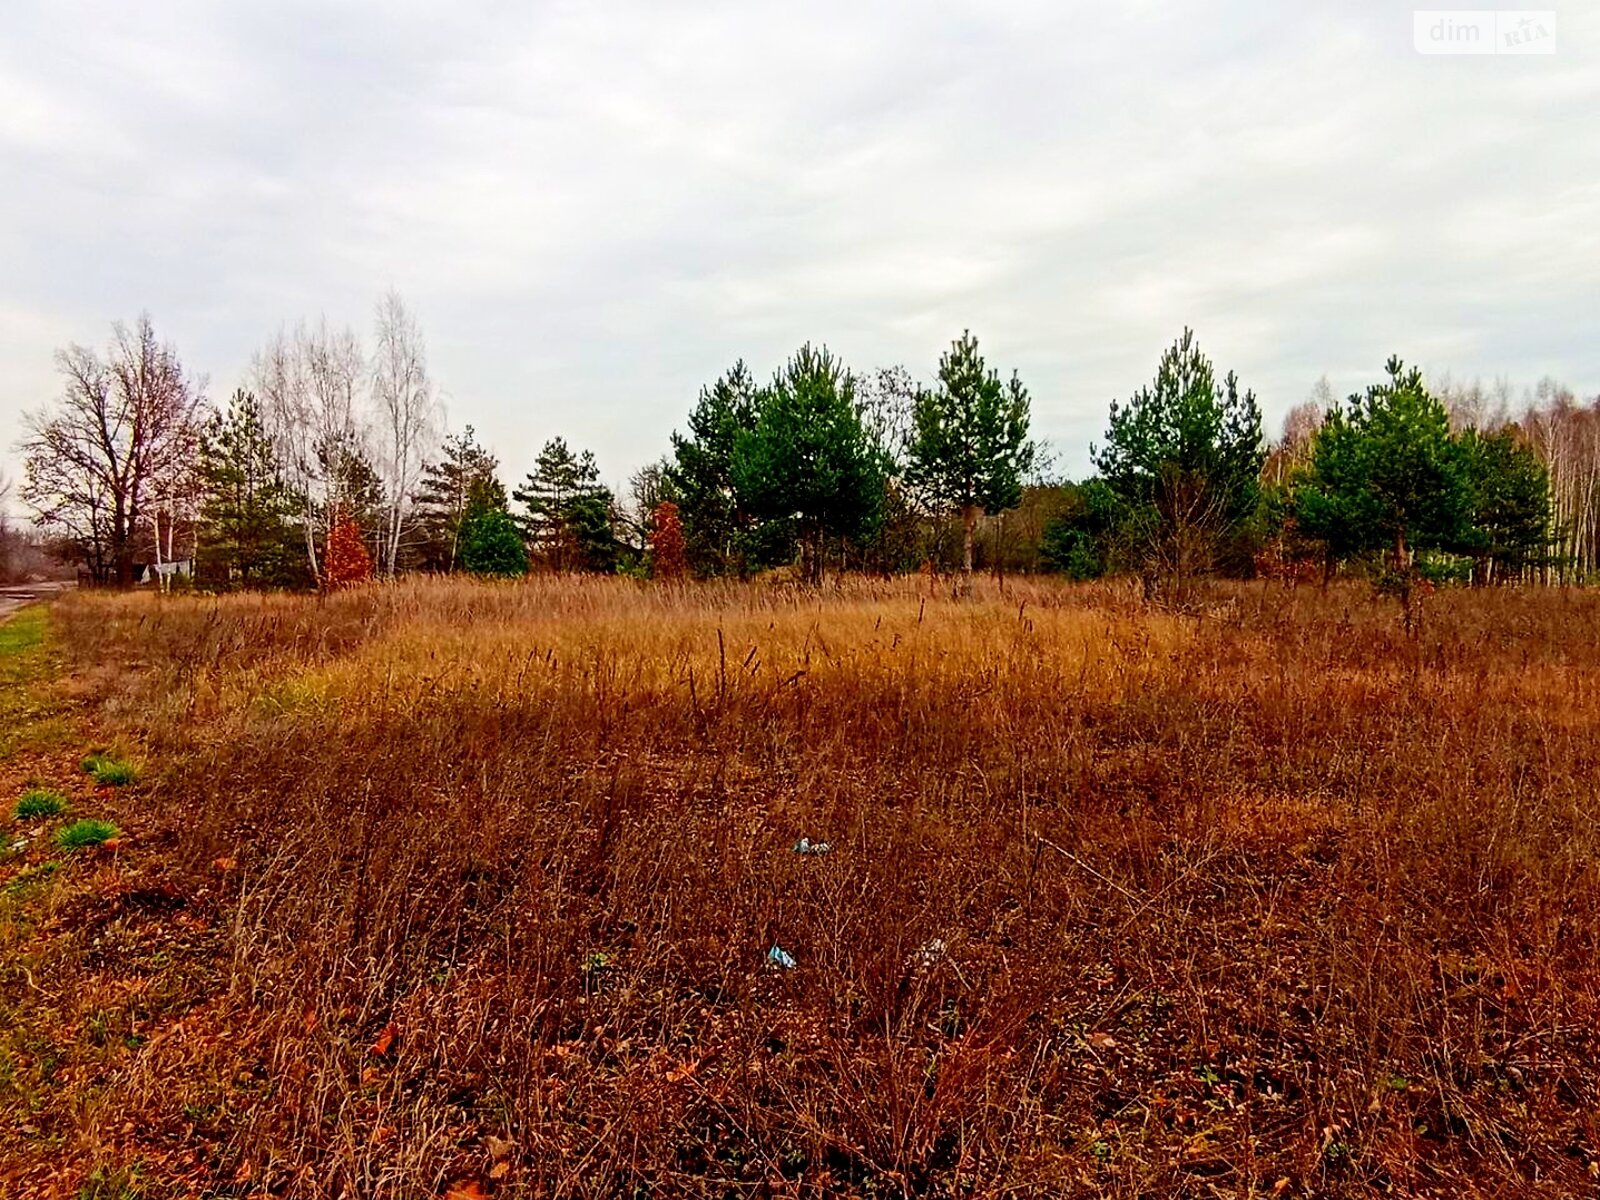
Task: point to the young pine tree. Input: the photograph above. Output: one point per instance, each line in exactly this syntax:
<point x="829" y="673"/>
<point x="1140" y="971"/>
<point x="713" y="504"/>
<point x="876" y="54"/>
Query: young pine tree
<point x="491" y="544"/>
<point x="465" y="477"/>
<point x="569" y="516"/>
<point x="1184" y="457"/>
<point x="1511" y="512"/>
<point x="715" y="524"/>
<point x="970" y="449"/>
<point x="246" y="535"/>
<point x="809" y="460"/>
<point x="1386" y="475"/>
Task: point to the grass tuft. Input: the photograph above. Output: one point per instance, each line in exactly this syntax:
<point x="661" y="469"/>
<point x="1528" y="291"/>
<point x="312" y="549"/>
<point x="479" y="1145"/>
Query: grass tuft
<point x="36" y="804"/>
<point x="108" y="770"/>
<point x="80" y="835"/>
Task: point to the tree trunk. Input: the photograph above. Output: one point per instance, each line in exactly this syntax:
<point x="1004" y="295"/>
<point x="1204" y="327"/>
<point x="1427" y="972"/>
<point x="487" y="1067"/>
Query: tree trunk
<point x="969" y="521"/>
<point x="121" y="545"/>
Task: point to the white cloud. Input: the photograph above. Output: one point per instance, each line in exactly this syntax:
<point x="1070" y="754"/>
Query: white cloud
<point x="596" y="208"/>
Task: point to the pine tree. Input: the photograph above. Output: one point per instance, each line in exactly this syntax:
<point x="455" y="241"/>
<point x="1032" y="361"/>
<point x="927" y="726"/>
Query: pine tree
<point x="970" y="447"/>
<point x="1511" y="511"/>
<point x="491" y="543"/>
<point x="246" y="534"/>
<point x="466" y="475"/>
<point x="1184" y="457"/>
<point x="1386" y="475"/>
<point x="809" y="460"/>
<point x="569" y="518"/>
<point x="715" y="525"/>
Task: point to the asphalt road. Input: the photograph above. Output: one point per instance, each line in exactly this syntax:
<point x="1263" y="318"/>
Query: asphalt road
<point x="13" y="598"/>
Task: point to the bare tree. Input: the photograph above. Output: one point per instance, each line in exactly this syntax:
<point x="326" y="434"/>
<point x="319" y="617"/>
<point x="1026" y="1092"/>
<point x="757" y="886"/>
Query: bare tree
<point x="406" y="413"/>
<point x="1300" y="424"/>
<point x="1566" y="435"/>
<point x="5" y="529"/>
<point x="120" y="429"/>
<point x="308" y="385"/>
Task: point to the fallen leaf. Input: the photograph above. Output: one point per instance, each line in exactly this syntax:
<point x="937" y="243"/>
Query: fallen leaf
<point x="499" y="1171"/>
<point x="223" y="864"/>
<point x="1102" y="1041"/>
<point x="112" y="844"/>
<point x="498" y="1147"/>
<point x="467" y="1189"/>
<point x="311" y="1017"/>
<point x="384" y="1041"/>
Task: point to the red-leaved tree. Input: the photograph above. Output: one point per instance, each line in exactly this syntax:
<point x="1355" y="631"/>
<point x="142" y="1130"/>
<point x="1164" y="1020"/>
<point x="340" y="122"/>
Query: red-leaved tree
<point x="667" y="558"/>
<point x="347" y="560"/>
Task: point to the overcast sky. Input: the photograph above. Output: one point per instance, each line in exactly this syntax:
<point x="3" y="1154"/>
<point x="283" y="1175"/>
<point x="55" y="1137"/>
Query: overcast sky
<point x="594" y="208"/>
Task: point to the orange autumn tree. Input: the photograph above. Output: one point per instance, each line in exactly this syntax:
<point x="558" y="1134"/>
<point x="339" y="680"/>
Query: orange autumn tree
<point x="668" y="559"/>
<point x="347" y="560"/>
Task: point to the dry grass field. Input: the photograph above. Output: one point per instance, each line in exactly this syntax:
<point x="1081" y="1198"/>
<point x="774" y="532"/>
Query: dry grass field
<point x="455" y="888"/>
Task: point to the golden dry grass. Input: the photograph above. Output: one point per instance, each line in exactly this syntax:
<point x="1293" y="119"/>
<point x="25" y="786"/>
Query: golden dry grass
<point x="1272" y="899"/>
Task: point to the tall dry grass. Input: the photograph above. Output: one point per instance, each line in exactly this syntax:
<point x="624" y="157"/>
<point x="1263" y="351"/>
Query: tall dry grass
<point x="1272" y="897"/>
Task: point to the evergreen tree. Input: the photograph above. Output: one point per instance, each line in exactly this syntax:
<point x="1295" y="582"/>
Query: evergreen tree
<point x="466" y="476"/>
<point x="1386" y="475"/>
<point x="570" y="517"/>
<point x="809" y="460"/>
<point x="1511" y="518"/>
<point x="970" y="448"/>
<point x="1183" y="456"/>
<point x="490" y="543"/>
<point x="1080" y="541"/>
<point x="715" y="525"/>
<point x="246" y="534"/>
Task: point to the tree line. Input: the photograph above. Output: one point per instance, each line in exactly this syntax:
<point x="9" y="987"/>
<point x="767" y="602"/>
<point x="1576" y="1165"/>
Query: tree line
<point x="332" y="463"/>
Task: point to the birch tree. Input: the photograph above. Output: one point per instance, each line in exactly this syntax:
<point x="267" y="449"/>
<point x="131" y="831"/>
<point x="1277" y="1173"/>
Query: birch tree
<point x="309" y="385"/>
<point x="406" y="415"/>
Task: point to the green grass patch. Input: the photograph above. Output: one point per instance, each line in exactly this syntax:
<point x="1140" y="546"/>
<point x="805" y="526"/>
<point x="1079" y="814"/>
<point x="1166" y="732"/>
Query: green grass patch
<point x="108" y="769"/>
<point x="23" y="633"/>
<point x="36" y="804"/>
<point x="80" y="835"/>
<point x="27" y="661"/>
